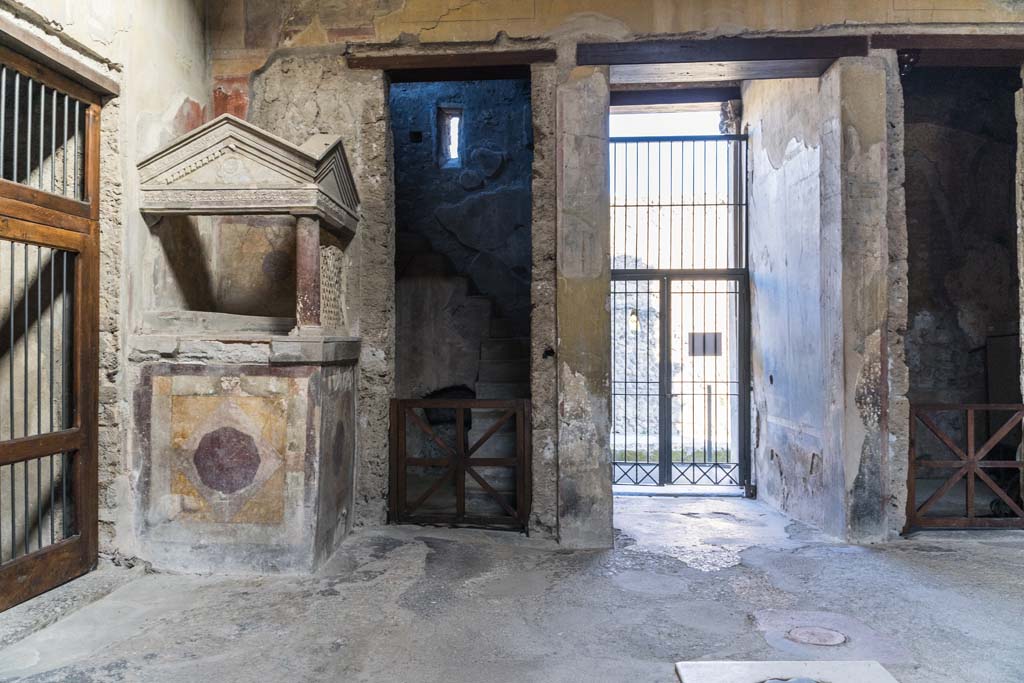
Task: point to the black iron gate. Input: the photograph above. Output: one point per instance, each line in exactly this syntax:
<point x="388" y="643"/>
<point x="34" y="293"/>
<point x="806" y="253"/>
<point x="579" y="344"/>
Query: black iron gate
<point x="680" y="311"/>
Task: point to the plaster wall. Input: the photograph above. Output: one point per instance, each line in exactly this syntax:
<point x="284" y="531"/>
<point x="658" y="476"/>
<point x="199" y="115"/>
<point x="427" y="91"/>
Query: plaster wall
<point x="818" y="294"/>
<point x="584" y="325"/>
<point x="243" y="31"/>
<point x="794" y="228"/>
<point x="961" y="136"/>
<point x="896" y="430"/>
<point x="475" y="212"/>
<point x="303" y="92"/>
<point x="159" y="99"/>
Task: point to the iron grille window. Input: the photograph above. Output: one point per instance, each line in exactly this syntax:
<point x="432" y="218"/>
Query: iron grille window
<point x="42" y="136"/>
<point x="679" y="203"/>
<point x="679" y="310"/>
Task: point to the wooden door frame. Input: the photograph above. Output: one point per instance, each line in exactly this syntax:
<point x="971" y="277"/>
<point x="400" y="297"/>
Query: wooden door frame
<point x="35" y="217"/>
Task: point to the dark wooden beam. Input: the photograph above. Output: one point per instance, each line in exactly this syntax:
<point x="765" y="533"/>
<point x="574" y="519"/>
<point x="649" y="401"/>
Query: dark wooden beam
<point x="633" y="87"/>
<point x="938" y="41"/>
<point x="975" y="59"/>
<point x="45" y="53"/>
<point x="482" y="73"/>
<point x="626" y="98"/>
<point x="449" y="60"/>
<point x="716" y="50"/>
<point x="710" y="72"/>
<point x="955" y="50"/>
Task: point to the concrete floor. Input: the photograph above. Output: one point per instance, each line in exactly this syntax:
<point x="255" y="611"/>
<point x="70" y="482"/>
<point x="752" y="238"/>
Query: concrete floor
<point x="690" y="578"/>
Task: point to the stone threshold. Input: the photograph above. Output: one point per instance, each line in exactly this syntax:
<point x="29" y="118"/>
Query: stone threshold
<point x="792" y="672"/>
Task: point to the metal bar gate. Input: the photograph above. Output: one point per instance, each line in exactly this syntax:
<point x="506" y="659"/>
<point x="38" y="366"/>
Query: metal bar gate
<point x="680" y="311"/>
<point x="49" y="294"/>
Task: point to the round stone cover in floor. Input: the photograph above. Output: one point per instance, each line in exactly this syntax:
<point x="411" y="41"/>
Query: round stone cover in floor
<point x="816" y="635"/>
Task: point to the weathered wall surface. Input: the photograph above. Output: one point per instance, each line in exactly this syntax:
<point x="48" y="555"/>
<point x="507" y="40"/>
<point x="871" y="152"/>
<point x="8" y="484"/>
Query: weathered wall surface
<point x="865" y="260"/>
<point x="298" y="94"/>
<point x="159" y="99"/>
<point x="243" y="33"/>
<point x="476" y="212"/>
<point x="961" y="136"/>
<point x="818" y="280"/>
<point x="245" y="467"/>
<point x="543" y="320"/>
<point x="897" y="414"/>
<point x="280" y="63"/>
<point x="243" y="25"/>
<point x="584" y="342"/>
<point x="792" y="228"/>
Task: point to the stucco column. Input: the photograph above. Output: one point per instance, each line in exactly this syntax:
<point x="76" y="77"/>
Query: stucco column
<point x="864" y="167"/>
<point x="584" y="325"/>
<point x="307" y="274"/>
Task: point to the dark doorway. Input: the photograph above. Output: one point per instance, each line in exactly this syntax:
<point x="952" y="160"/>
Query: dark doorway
<point x="463" y="169"/>
<point x="963" y="333"/>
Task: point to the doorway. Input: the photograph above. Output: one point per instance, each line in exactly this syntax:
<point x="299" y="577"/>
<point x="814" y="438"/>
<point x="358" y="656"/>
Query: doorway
<point x="963" y="342"/>
<point x="463" y="271"/>
<point x="679" y="300"/>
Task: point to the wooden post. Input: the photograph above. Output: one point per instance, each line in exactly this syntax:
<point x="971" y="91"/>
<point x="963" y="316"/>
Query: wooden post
<point x="307" y="274"/>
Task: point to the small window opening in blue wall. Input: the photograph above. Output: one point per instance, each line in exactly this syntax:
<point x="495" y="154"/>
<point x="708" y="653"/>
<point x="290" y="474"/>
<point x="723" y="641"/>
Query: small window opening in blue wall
<point x="450" y="123"/>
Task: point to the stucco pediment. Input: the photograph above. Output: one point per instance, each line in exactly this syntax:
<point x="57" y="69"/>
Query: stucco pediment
<point x="230" y="166"/>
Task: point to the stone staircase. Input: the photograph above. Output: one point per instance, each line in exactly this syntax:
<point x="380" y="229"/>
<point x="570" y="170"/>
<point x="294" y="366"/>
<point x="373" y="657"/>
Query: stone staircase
<point x="504" y="372"/>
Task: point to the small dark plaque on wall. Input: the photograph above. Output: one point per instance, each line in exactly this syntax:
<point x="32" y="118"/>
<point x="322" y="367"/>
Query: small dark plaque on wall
<point x="705" y="343"/>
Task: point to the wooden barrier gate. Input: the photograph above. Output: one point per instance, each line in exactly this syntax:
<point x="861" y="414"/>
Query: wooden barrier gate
<point x="49" y="327"/>
<point x="460" y="462"/>
<point x="949" y="446"/>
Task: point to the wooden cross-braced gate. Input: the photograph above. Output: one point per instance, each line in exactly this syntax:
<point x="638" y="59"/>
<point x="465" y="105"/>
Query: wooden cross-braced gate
<point x="971" y="463"/>
<point x="49" y="327"/>
<point x="451" y="479"/>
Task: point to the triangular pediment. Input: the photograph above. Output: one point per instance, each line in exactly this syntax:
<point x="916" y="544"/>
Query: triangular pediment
<point x="229" y="152"/>
<point x="230" y="166"/>
<point x="335" y="177"/>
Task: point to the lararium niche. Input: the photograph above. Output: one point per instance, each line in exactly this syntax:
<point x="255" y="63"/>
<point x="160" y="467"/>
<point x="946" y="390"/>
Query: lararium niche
<point x="246" y="414"/>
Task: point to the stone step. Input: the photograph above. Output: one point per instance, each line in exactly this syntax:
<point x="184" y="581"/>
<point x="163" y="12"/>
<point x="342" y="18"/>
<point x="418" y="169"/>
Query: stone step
<point x="481" y="299"/>
<point x="502" y="390"/>
<point x="505" y="349"/>
<point x="505" y="328"/>
<point x="427" y="265"/>
<point x="500" y="445"/>
<point x="483" y="419"/>
<point x="411" y="243"/>
<point x="479" y="503"/>
<point x="482" y="504"/>
<point x="505" y="370"/>
<point x="501" y="479"/>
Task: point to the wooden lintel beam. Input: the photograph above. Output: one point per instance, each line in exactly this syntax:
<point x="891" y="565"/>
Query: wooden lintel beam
<point x="450" y="60"/>
<point x="34" y="47"/>
<point x="627" y="98"/>
<point x="722" y="50"/>
<point x="939" y="41"/>
<point x="974" y="59"/>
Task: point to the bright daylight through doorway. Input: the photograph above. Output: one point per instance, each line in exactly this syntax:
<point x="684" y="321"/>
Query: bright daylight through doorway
<point x="678" y="240"/>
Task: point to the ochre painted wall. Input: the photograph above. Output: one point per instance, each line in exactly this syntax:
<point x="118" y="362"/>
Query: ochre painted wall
<point x="242" y="32"/>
